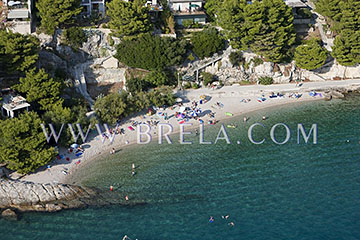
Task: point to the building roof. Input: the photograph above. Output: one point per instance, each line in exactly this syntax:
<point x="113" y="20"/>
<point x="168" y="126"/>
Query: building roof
<point x="11" y="103"/>
<point x="295" y="3"/>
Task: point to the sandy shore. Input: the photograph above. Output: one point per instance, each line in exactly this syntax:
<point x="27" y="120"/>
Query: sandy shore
<point x="230" y="97"/>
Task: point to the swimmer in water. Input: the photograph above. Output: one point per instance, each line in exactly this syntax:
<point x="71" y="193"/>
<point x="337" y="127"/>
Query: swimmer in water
<point x="211" y="219"/>
<point x="231" y="224"/>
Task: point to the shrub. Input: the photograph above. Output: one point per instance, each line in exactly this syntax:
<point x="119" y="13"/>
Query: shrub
<point x="207" y="42"/>
<point x="191" y="57"/>
<point x="266" y="80"/>
<point x="134" y="85"/>
<point x="110" y="40"/>
<point x="74" y="37"/>
<point x="187" y="85"/>
<point x="236" y="58"/>
<point x="187" y="23"/>
<point x="156" y="78"/>
<point x="258" y="61"/>
<point x="151" y="52"/>
<point x="195" y="86"/>
<point x="207" y="78"/>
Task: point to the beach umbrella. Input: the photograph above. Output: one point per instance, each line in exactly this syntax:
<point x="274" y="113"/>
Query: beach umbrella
<point x="74" y="145"/>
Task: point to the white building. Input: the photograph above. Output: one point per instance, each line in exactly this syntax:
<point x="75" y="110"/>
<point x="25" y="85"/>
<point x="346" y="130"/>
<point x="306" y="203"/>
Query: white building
<point x="19" y="14"/>
<point x="13" y="105"/>
<point x="93" y="6"/>
<point x="187" y="10"/>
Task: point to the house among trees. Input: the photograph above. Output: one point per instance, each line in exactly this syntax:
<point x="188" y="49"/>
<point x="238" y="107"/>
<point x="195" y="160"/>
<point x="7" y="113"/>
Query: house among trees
<point x="19" y="15"/>
<point x="13" y="104"/>
<point x="93" y="6"/>
<point x="187" y="10"/>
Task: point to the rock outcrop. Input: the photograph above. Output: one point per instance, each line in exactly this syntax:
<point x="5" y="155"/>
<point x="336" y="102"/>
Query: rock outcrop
<point x="28" y="196"/>
<point x="9" y="215"/>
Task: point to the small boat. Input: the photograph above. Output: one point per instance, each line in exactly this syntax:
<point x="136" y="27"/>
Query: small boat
<point x="228" y="114"/>
<point x="231" y="126"/>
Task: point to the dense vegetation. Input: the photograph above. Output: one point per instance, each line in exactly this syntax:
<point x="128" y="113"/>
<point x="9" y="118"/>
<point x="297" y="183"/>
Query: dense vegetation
<point x="74" y="37"/>
<point x="344" y="16"/>
<point x="310" y="55"/>
<point x="207" y="42"/>
<point x="57" y="13"/>
<point x="266" y="80"/>
<point x="266" y="27"/>
<point x="23" y="145"/>
<point x="116" y="106"/>
<point x="151" y="52"/>
<point x="128" y="19"/>
<point x="39" y="88"/>
<point x="17" y="52"/>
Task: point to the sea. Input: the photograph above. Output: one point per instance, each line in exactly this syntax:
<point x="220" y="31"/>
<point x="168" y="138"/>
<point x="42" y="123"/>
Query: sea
<point x="297" y="190"/>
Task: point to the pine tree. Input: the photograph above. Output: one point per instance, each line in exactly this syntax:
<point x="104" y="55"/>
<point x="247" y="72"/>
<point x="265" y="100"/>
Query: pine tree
<point x="329" y="8"/>
<point x="231" y="18"/>
<point x="128" y="19"/>
<point x="310" y="55"/>
<point x="23" y="145"/>
<point x="266" y="27"/>
<point x="207" y="42"/>
<point x="56" y="13"/>
<point x="40" y="88"/>
<point x="346" y="47"/>
<point x="18" y="52"/>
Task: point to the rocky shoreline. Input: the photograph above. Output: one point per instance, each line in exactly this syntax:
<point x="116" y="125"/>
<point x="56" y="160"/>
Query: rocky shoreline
<point x="20" y="196"/>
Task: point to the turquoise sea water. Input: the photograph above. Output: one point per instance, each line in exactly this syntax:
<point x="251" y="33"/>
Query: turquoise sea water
<point x="293" y="191"/>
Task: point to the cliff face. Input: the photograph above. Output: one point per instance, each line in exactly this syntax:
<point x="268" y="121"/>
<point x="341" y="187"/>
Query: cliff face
<point x="27" y="196"/>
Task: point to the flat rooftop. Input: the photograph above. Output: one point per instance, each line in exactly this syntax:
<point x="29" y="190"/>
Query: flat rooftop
<point x="295" y="3"/>
<point x="12" y="103"/>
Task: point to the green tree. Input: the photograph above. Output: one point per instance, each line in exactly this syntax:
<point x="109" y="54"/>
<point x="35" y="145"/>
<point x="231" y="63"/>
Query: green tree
<point x="134" y="85"/>
<point x="112" y="107"/>
<point x="212" y="7"/>
<point x="23" y="145"/>
<point x="57" y="13"/>
<point x="231" y="18"/>
<point x="74" y="37"/>
<point x="236" y="58"/>
<point x="346" y="48"/>
<point x="18" y="52"/>
<point x="266" y="27"/>
<point x="329" y="8"/>
<point x="207" y="42"/>
<point x="128" y="19"/>
<point x="151" y="52"/>
<point x="207" y="78"/>
<point x="156" y="78"/>
<point x="310" y="55"/>
<point x="162" y="96"/>
<point x="39" y="87"/>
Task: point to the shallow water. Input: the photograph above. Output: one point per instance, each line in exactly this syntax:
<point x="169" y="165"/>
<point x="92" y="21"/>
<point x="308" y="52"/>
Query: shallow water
<point x="290" y="191"/>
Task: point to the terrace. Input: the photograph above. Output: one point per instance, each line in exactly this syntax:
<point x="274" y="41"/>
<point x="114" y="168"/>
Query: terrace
<point x="12" y="105"/>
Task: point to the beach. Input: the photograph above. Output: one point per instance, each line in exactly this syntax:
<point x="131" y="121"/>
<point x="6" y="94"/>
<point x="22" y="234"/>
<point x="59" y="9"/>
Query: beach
<point x="232" y="103"/>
